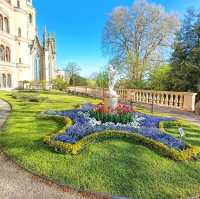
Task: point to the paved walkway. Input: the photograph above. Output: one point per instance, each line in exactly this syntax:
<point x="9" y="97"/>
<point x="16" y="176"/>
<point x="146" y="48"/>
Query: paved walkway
<point x="15" y="183"/>
<point x="191" y="117"/>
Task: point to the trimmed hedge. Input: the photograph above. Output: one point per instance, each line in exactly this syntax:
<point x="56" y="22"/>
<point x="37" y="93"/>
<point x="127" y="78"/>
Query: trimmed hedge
<point x="189" y="153"/>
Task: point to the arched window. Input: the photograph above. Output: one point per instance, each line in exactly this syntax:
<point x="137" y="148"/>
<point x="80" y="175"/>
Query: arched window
<point x="9" y="81"/>
<point x="8" y="54"/>
<point x="2" y="53"/>
<point x="37" y="68"/>
<point x="19" y="32"/>
<point x="6" y="24"/>
<point x="4" y="80"/>
<point x="30" y="18"/>
<point x="18" y="4"/>
<point x="1" y="22"/>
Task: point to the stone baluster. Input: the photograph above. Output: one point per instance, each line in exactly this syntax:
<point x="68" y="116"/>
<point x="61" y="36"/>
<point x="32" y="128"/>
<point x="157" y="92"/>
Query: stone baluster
<point x="171" y="100"/>
<point x="176" y="102"/>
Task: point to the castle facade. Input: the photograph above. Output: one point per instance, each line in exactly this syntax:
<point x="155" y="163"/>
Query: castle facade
<point x="23" y="57"/>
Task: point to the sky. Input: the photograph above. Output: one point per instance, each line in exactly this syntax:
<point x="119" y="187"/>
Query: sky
<point x="78" y="27"/>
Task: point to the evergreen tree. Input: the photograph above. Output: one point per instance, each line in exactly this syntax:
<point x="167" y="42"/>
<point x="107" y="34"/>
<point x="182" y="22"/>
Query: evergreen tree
<point x="185" y="62"/>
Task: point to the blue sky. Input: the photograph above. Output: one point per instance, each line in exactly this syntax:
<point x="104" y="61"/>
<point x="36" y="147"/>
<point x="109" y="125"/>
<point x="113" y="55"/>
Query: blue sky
<point x="78" y="26"/>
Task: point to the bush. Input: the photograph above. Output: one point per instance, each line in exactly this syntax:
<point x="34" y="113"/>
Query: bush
<point x="28" y="97"/>
<point x="59" y="84"/>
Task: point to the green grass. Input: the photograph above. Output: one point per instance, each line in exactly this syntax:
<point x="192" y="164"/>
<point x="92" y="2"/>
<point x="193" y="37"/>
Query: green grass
<point x="114" y="167"/>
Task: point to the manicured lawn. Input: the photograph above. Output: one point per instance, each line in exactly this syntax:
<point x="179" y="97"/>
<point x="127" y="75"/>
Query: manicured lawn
<point x="114" y="167"/>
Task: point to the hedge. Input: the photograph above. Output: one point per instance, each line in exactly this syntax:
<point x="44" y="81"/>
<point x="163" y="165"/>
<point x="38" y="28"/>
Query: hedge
<point x="73" y="149"/>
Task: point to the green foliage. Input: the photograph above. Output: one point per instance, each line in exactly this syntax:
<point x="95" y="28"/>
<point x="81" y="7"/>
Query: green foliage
<point x="77" y="80"/>
<point x="59" y="84"/>
<point x="102" y="79"/>
<point x="112" y="117"/>
<point x="131" y="84"/>
<point x="91" y="83"/>
<point x="28" y="97"/>
<point x="185" y="60"/>
<point x="159" y="78"/>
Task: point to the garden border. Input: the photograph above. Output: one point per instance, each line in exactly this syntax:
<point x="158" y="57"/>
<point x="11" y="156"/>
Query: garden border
<point x="76" y="148"/>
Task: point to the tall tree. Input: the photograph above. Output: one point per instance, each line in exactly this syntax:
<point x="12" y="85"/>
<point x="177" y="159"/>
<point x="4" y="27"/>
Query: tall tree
<point x="102" y="79"/>
<point x="137" y="38"/>
<point x="72" y="70"/>
<point x="185" y="58"/>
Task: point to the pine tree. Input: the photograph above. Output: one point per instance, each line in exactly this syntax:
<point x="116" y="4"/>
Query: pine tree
<point x="185" y="61"/>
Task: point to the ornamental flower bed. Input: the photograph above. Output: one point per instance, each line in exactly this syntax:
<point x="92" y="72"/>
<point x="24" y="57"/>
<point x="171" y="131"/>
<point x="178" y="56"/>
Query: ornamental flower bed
<point x="142" y="124"/>
<point x="121" y="114"/>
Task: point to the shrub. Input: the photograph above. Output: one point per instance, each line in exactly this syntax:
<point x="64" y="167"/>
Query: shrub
<point x="28" y="97"/>
<point x="60" y="84"/>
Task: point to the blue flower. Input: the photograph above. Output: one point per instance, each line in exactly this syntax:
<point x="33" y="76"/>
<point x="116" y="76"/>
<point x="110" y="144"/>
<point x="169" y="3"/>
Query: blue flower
<point x="143" y="124"/>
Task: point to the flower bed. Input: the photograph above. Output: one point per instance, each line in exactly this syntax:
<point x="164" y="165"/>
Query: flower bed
<point x="146" y="127"/>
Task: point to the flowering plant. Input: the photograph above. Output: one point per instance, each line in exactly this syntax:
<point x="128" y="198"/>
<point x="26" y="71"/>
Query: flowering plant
<point x="121" y="114"/>
<point x="123" y="109"/>
<point x="120" y="109"/>
<point x="142" y="124"/>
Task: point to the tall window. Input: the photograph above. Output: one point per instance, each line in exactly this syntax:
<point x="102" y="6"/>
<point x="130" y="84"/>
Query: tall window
<point x="8" y="59"/>
<point x="6" y="24"/>
<point x="30" y="18"/>
<point x="18" y="4"/>
<point x="9" y="81"/>
<point x="19" y="32"/>
<point x="1" y="22"/>
<point x="37" y="68"/>
<point x="4" y="80"/>
<point x="2" y="53"/>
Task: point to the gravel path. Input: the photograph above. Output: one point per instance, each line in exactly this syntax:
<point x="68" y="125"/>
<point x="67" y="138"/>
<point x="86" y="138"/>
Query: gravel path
<point x="16" y="183"/>
<point x="191" y="117"/>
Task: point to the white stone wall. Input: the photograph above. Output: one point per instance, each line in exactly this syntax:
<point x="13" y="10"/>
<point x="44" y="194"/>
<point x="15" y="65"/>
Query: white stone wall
<point x="22" y="33"/>
<point x="19" y="66"/>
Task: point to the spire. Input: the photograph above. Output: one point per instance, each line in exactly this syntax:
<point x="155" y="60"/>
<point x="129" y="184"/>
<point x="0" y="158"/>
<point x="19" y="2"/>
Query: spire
<point x="45" y="36"/>
<point x="36" y="30"/>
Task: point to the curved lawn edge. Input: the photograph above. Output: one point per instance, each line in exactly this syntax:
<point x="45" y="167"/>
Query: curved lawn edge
<point x="75" y="149"/>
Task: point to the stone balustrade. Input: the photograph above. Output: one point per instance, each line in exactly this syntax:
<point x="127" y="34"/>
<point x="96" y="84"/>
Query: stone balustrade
<point x="179" y="100"/>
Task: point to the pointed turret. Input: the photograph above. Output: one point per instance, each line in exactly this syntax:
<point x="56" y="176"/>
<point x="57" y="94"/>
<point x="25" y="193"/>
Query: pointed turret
<point x="45" y="37"/>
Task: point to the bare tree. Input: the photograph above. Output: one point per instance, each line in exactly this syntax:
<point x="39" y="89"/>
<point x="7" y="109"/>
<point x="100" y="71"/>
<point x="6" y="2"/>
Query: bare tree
<point x="71" y="70"/>
<point x="139" y="38"/>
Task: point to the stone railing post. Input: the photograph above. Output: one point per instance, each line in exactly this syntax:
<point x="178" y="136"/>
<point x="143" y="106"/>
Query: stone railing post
<point x="189" y="101"/>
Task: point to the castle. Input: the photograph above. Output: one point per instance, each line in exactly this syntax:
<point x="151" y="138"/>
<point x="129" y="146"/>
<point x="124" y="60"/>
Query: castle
<point x="22" y="56"/>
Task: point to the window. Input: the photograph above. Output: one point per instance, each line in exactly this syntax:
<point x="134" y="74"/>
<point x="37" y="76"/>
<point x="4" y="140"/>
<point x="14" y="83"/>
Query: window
<point x="9" y="81"/>
<point x="19" y="32"/>
<point x="8" y="54"/>
<point x="1" y="22"/>
<point x="2" y="53"/>
<point x="37" y="68"/>
<point x="6" y="24"/>
<point x="18" y="4"/>
<point x="4" y="80"/>
<point x="30" y="18"/>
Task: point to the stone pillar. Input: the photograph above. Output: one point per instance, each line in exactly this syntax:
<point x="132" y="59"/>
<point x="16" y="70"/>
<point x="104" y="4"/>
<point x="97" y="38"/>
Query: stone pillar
<point x="189" y="101"/>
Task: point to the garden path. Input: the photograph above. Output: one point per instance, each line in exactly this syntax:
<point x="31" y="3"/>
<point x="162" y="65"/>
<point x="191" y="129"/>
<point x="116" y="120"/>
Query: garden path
<point x="16" y="183"/>
<point x="189" y="116"/>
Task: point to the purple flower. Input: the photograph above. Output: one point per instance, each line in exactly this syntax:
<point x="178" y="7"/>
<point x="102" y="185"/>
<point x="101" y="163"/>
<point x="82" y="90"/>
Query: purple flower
<point x="145" y="125"/>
